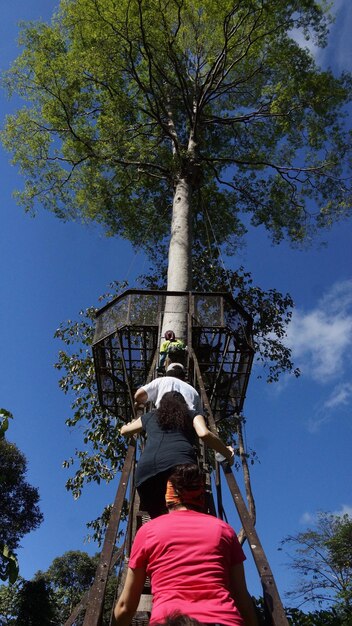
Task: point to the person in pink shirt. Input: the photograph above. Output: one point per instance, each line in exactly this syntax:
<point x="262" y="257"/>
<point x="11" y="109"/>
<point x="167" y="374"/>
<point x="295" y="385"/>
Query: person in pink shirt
<point x="194" y="561"/>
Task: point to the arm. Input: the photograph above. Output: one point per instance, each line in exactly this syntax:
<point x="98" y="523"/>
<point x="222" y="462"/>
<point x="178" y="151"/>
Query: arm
<point x="140" y="396"/>
<point x="127" y="603"/>
<point x="198" y="405"/>
<point x="132" y="428"/>
<point x="241" y="596"/>
<point x="212" y="440"/>
<point x="164" y="346"/>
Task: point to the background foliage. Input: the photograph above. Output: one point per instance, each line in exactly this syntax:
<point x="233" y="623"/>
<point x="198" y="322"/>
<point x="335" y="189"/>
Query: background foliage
<point x="321" y="557"/>
<point x="19" y="511"/>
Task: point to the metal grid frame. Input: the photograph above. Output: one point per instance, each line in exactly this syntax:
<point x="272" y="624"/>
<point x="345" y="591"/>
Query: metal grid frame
<point x="122" y="362"/>
<point x="225" y="363"/>
<point x="126" y="346"/>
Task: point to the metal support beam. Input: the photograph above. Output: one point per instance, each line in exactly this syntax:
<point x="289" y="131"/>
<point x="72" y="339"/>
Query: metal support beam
<point x="270" y="592"/>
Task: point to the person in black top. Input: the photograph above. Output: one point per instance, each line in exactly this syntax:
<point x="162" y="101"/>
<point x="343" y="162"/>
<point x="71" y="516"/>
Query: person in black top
<point x="172" y="431"/>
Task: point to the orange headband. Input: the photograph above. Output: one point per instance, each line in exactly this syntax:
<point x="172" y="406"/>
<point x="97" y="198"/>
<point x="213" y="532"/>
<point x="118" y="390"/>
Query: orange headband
<point x="194" y="497"/>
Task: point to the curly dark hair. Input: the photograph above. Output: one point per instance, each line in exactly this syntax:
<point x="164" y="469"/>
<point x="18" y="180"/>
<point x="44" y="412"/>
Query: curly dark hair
<point x="173" y="412"/>
<point x="186" y="477"/>
<point x="179" y="619"/>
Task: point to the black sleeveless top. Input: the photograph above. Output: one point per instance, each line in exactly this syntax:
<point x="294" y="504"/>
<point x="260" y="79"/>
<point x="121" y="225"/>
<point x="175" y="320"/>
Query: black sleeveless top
<point x="164" y="448"/>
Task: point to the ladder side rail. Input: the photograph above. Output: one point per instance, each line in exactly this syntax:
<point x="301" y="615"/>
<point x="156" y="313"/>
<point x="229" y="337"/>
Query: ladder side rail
<point x="189" y="338"/>
<point x="245" y="471"/>
<point x="119" y="578"/>
<point x="244" y="367"/>
<point x="270" y="592"/>
<point x="153" y="365"/>
<point x="218" y="489"/>
<point x="97" y="593"/>
<point x="132" y="519"/>
<point x="126" y="545"/>
<point x="204" y="467"/>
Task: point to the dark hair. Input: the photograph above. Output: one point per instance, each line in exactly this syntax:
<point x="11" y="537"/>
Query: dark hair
<point x="179" y="619"/>
<point x="170" y="335"/>
<point x="186" y="477"/>
<point x="176" y="372"/>
<point x="173" y="412"/>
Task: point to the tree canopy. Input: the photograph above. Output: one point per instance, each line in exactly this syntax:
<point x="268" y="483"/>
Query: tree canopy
<point x="213" y="105"/>
<point x="19" y="511"/>
<point x="297" y="617"/>
<point x="8" y="604"/>
<point x="51" y="596"/>
<point x="321" y="557"/>
<point x="19" y="501"/>
<point x="68" y="577"/>
<point x="34" y="604"/>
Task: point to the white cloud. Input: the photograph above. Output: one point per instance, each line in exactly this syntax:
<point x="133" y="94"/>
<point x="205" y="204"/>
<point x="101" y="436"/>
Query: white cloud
<point x="321" y="339"/>
<point x="338" y="300"/>
<point x="307" y="518"/>
<point x="338" y="52"/>
<point x="340" y="395"/>
<point x="338" y="398"/>
<point x="303" y="42"/>
<point x="346" y="509"/>
<point x="317" y="420"/>
<point x="321" y="343"/>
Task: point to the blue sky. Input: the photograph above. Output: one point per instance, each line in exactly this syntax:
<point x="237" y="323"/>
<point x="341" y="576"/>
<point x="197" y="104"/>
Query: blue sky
<point x="300" y="429"/>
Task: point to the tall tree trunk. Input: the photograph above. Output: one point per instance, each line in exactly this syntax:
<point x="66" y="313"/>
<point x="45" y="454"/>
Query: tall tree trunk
<point x="179" y="274"/>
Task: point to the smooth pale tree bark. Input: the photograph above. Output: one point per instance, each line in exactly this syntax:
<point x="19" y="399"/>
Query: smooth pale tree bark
<point x="179" y="273"/>
<point x="179" y="265"/>
<point x="179" y="261"/>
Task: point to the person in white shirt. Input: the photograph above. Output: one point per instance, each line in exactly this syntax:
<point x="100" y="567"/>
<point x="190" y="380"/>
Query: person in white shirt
<point x="172" y="381"/>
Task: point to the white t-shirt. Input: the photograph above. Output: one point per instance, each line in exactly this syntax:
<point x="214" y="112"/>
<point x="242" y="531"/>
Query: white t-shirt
<point x="157" y="387"/>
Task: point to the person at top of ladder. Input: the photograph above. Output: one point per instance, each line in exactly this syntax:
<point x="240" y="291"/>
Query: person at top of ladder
<point x="194" y="561"/>
<point x="169" y="348"/>
<point x="174" y="380"/>
<point x="172" y="431"/>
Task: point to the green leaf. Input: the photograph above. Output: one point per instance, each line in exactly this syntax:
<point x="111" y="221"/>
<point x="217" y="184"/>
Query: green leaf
<point x="4" y="421"/>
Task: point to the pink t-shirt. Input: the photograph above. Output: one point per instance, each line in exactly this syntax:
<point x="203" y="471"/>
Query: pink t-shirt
<point x="188" y="556"/>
